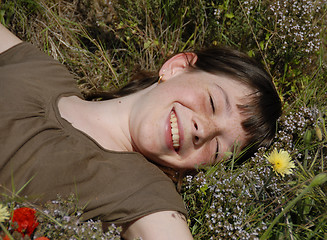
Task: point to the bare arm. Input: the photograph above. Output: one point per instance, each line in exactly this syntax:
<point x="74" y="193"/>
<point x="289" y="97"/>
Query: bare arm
<point x="166" y="225"/>
<point x="7" y="39"/>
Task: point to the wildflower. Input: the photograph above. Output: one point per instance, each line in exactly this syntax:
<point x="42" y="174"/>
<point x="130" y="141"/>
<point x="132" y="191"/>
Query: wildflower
<point x="4" y="214"/>
<point x="281" y="162"/>
<point x="26" y="220"/>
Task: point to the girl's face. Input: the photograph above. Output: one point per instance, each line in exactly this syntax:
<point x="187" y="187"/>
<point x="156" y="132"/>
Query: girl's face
<point x="190" y="119"/>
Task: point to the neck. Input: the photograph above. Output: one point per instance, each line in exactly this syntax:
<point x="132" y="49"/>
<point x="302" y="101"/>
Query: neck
<point x="107" y="122"/>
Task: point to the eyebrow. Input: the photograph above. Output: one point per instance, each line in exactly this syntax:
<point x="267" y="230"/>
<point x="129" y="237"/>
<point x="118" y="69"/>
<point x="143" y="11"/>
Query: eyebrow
<point x="226" y="98"/>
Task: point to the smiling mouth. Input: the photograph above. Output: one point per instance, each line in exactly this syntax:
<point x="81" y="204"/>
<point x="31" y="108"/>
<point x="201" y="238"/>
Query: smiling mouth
<point x="174" y="130"/>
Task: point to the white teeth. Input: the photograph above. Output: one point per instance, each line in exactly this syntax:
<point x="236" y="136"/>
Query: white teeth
<point x="173" y="118"/>
<point x="174" y="130"/>
<point x="175" y="137"/>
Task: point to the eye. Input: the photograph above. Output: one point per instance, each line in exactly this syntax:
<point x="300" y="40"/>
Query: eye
<point x="212" y="104"/>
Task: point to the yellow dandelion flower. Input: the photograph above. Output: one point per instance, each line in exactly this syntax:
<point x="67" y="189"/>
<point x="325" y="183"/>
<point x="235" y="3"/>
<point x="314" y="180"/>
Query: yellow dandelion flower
<point x="4" y="213"/>
<point x="281" y="162"/>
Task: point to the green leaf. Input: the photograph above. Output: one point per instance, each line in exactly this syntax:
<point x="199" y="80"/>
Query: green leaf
<point x="147" y="44"/>
<point x="203" y="189"/>
<point x="251" y="53"/>
<point x="229" y="15"/>
<point x="156" y="42"/>
<point x="262" y="45"/>
<point x="2" y="19"/>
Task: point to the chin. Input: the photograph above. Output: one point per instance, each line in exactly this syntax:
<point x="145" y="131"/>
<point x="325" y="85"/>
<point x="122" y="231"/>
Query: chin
<point x="171" y="162"/>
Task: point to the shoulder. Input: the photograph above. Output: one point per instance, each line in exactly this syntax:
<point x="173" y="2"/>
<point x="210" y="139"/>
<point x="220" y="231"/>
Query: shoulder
<point x="26" y="70"/>
<point x="7" y="39"/>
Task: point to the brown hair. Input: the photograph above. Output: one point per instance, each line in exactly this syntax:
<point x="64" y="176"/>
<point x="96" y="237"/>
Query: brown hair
<point x="263" y="107"/>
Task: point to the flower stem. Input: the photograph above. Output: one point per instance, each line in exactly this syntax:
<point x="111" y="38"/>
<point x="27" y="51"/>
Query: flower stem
<point x="6" y="231"/>
<point x="266" y="183"/>
<point x="317" y="180"/>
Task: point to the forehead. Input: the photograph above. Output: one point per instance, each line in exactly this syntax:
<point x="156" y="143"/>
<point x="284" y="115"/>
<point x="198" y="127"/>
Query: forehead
<point x="234" y="87"/>
<point x="232" y="84"/>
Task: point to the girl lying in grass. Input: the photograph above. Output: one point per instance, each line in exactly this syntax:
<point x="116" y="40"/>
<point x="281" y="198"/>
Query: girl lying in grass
<point x="113" y="154"/>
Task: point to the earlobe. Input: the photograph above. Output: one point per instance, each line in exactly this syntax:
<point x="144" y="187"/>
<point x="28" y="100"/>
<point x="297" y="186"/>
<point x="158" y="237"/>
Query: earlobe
<point x="177" y="64"/>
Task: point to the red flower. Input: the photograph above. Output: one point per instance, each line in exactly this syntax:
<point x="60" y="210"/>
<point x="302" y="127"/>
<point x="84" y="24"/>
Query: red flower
<point x="26" y="220"/>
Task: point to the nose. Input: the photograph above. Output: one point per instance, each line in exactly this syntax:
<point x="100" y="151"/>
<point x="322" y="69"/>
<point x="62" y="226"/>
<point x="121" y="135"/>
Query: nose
<point x="203" y="130"/>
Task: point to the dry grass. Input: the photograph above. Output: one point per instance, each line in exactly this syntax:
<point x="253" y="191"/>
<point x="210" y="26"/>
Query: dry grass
<point x="104" y="42"/>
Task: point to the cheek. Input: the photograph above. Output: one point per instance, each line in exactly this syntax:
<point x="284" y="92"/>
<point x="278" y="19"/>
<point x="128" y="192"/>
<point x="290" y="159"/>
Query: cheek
<point x="143" y="134"/>
<point x="190" y="95"/>
<point x="237" y="133"/>
<point x="199" y="157"/>
<point x="195" y="101"/>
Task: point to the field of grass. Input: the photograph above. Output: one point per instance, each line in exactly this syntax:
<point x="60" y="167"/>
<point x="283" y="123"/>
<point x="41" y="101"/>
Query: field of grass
<point x="104" y="43"/>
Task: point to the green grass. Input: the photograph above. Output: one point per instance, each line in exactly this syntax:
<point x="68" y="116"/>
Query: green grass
<point x="103" y="45"/>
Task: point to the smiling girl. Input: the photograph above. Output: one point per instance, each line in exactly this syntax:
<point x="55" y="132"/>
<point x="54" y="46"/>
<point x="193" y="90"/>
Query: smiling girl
<point x="111" y="152"/>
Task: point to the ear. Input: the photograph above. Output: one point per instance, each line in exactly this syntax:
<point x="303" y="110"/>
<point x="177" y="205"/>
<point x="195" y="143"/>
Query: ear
<point x="177" y="64"/>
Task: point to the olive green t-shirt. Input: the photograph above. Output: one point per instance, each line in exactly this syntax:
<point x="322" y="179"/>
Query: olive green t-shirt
<point x="42" y="149"/>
